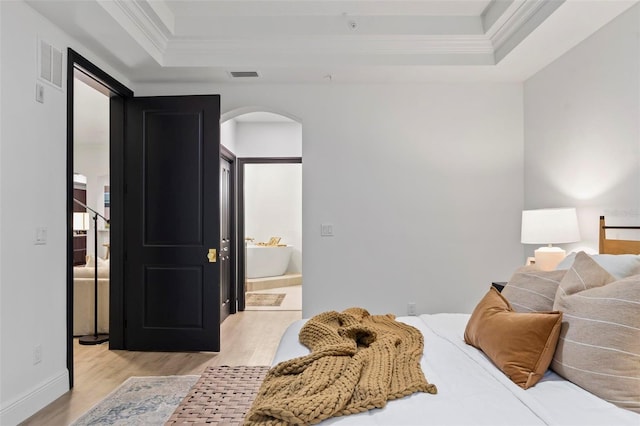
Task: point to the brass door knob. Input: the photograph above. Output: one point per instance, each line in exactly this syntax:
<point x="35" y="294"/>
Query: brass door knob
<point x="212" y="255"/>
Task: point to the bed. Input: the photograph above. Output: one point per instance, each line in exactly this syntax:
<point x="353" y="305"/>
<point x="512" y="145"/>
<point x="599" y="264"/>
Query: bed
<point x="472" y="390"/>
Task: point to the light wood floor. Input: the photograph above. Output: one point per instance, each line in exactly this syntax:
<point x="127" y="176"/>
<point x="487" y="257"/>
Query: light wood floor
<point x="247" y="338"/>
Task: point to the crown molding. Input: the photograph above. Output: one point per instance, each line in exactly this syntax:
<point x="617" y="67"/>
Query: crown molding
<point x="150" y="25"/>
<point x="352" y="50"/>
<point x="516" y="22"/>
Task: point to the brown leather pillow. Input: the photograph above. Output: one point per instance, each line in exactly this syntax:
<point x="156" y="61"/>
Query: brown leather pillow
<point x="521" y="345"/>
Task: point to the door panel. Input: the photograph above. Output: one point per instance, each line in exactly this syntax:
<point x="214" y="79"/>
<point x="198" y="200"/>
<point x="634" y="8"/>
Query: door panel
<point x="166" y="150"/>
<point x="172" y="213"/>
<point x="161" y="291"/>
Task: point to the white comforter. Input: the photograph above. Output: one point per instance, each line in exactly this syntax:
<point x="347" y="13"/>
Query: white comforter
<point x="471" y="390"/>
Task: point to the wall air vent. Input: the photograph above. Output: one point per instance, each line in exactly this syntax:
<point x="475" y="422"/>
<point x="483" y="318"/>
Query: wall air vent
<point x="240" y="74"/>
<point x="49" y="64"/>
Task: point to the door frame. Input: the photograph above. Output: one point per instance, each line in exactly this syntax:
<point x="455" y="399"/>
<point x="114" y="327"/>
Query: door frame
<point x="233" y="296"/>
<point x="103" y="82"/>
<point x="241" y="235"/>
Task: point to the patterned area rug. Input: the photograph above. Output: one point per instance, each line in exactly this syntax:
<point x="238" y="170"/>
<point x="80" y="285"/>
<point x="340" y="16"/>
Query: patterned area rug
<point x="140" y="401"/>
<point x="264" y="299"/>
<point x="222" y="396"/>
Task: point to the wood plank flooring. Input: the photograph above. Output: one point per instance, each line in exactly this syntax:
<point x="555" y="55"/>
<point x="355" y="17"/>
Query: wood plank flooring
<point x="247" y="338"/>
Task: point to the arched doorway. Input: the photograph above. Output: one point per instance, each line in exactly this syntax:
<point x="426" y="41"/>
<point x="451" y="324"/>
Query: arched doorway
<point x="268" y="147"/>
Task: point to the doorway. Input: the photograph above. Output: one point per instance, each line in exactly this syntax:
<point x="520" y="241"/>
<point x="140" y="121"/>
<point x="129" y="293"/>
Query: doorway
<point x="271" y="213"/>
<point x="91" y="198"/>
<point x="164" y="208"/>
<point x="266" y="143"/>
<point x="94" y="153"/>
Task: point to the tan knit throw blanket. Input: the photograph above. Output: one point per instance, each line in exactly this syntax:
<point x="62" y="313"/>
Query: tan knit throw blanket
<point x="357" y="362"/>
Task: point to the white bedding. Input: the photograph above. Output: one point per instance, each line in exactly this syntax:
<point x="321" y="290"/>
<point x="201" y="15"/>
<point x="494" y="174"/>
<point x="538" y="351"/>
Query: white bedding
<point x="471" y="390"/>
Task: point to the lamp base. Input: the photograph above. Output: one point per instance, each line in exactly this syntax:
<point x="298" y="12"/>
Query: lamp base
<point x="93" y="339"/>
<point x="547" y="258"/>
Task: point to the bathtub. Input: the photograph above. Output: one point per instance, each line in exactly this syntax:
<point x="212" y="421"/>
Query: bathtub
<point x="267" y="261"/>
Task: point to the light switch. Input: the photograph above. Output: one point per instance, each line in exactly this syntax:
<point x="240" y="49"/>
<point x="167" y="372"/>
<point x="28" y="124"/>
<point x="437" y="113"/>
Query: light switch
<point x="41" y="236"/>
<point x="40" y="93"/>
<point x="326" y="230"/>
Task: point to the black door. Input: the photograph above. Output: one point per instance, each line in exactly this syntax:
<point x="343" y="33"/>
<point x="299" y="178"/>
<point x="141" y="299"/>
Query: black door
<point x="172" y="232"/>
<point x="225" y="239"/>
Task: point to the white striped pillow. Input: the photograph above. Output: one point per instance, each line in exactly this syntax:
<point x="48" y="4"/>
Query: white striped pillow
<point x="599" y="345"/>
<point x="532" y="290"/>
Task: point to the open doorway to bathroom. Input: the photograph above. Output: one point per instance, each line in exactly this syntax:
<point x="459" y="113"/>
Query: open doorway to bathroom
<point x="272" y="209"/>
<point x="268" y="148"/>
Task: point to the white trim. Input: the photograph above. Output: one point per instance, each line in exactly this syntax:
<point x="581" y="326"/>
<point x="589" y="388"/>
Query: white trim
<point x="228" y="115"/>
<point x="283" y="50"/>
<point x="30" y="402"/>
<point x="144" y="25"/>
<point x="517" y="22"/>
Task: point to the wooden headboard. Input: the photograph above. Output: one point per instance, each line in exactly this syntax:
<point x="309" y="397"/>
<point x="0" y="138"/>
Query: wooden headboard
<point x="608" y="246"/>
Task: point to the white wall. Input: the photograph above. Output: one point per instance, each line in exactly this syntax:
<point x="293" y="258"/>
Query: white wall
<point x="423" y="184"/>
<point x="268" y="139"/>
<point x="273" y="206"/>
<point x="228" y="135"/>
<point x="582" y="135"/>
<point x="32" y="194"/>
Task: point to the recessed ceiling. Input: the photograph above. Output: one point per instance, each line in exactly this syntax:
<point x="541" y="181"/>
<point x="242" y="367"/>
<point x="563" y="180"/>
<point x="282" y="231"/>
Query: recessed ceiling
<point x="303" y="41"/>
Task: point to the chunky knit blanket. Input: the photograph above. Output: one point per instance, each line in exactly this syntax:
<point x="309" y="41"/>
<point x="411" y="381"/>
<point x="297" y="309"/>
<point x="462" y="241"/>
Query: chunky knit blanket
<point x="357" y="362"/>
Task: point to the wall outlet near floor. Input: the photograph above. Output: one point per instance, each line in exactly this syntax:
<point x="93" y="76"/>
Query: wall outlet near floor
<point x="411" y="309"/>
<point x="37" y="354"/>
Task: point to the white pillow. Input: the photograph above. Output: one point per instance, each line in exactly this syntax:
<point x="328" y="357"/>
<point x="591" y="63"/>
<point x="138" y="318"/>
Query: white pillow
<point x="618" y="265"/>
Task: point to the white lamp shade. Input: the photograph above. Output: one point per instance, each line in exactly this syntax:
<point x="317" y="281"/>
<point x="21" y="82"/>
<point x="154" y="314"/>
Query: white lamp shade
<point x="80" y="221"/>
<point x="550" y="226"/>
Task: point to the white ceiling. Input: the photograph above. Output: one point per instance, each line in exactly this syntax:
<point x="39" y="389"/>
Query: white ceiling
<point x="329" y="41"/>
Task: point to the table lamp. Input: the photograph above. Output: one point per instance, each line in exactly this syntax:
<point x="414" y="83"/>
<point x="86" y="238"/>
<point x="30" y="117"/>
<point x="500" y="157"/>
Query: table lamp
<point x="549" y="226"/>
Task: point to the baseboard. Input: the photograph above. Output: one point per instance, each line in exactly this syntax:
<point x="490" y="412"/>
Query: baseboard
<point x="29" y="403"/>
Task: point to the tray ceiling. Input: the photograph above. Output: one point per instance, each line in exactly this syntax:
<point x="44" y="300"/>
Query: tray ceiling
<point x="301" y="41"/>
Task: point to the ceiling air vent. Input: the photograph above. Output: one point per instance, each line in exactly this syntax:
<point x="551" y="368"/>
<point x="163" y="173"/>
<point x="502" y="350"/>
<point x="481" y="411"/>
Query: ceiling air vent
<point x="238" y="74"/>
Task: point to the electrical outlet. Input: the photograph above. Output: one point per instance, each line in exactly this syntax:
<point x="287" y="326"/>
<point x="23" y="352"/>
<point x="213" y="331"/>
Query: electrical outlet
<point x="37" y="354"/>
<point x="411" y="309"/>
